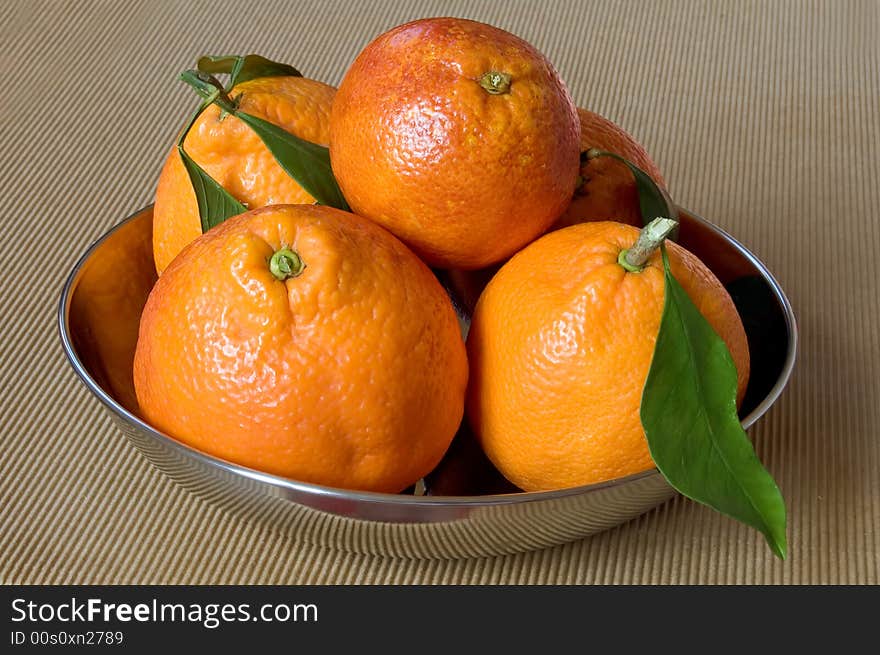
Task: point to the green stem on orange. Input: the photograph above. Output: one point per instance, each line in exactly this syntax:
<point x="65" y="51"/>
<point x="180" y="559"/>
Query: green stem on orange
<point x="651" y="237"/>
<point x="286" y="263"/>
<point x="495" y="82"/>
<point x="210" y="89"/>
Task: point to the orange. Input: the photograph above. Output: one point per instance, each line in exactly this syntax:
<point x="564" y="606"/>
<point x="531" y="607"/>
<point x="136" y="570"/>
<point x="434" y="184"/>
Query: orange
<point x="234" y="156"/>
<point x="350" y="373"/>
<point x="608" y="192"/>
<point x="458" y="137"/>
<point x="560" y="346"/>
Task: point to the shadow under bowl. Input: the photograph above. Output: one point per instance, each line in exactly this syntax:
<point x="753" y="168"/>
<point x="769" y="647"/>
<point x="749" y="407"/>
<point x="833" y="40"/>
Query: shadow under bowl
<point x="469" y="510"/>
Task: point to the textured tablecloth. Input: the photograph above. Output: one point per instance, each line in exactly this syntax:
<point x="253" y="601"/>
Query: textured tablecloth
<point x="764" y="116"/>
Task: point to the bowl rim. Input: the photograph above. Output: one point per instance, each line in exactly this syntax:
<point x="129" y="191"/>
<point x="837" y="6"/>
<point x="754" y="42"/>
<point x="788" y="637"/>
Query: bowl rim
<point x="470" y="502"/>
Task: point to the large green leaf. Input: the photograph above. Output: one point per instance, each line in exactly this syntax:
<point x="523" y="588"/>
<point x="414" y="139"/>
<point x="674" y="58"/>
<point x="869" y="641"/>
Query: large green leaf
<point x="306" y="162"/>
<point x="241" y="69"/>
<point x="688" y="412"/>
<point x="688" y="407"/>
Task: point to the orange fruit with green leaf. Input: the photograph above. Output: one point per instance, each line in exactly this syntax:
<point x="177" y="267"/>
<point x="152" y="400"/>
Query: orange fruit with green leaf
<point x="594" y="356"/>
<point x="235" y="156"/>
<point x="306" y="342"/>
<point x="560" y="346"/>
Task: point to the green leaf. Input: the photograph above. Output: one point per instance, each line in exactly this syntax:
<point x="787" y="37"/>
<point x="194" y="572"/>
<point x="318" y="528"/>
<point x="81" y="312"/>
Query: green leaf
<point x="306" y="162"/>
<point x="216" y="204"/>
<point x="653" y="201"/>
<point x="241" y="69"/>
<point x="688" y="411"/>
<point x="688" y="406"/>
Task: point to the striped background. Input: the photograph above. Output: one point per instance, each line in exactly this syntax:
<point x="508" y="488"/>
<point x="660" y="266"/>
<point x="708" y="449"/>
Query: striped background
<point x="764" y="116"/>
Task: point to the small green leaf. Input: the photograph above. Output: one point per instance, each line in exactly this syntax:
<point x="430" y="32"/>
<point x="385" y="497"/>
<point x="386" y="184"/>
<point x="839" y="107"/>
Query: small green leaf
<point x="688" y="411"/>
<point x="653" y="201"/>
<point x="215" y="203"/>
<point x="306" y="162"/>
<point x="241" y="69"/>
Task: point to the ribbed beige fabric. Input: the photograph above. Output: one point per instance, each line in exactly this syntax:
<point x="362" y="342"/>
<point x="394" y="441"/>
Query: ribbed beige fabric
<point x="764" y="116"/>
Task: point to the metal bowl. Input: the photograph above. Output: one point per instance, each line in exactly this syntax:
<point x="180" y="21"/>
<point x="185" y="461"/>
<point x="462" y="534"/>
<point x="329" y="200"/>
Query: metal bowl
<point x="465" y="508"/>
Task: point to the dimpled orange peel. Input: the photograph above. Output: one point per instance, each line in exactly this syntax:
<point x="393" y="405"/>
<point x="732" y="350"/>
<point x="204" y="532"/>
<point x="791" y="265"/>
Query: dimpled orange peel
<point x="305" y="342"/>
<point x="458" y="137"/>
